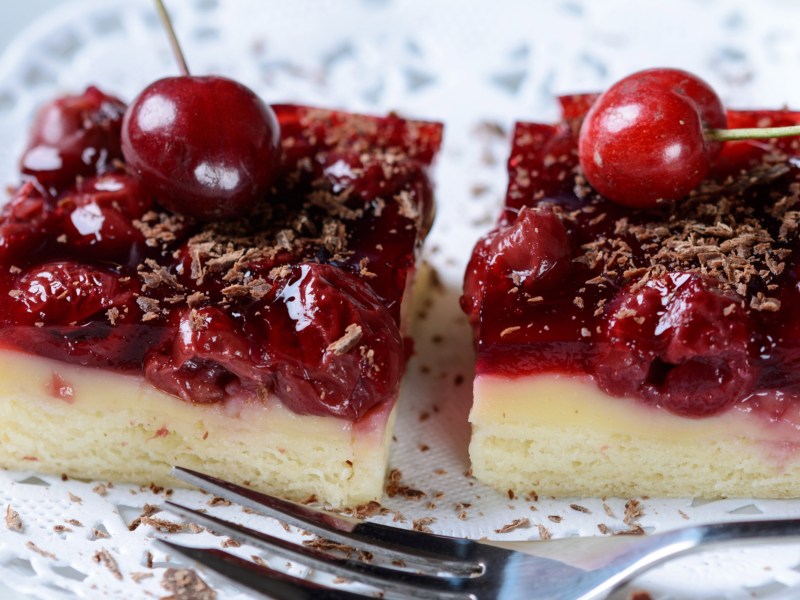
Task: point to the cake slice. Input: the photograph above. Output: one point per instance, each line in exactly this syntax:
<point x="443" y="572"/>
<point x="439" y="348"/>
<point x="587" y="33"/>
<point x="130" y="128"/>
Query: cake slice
<point x="627" y="351"/>
<point x="267" y="350"/>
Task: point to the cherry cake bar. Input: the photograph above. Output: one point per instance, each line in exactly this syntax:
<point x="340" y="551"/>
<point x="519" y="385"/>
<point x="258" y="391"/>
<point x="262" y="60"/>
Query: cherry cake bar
<point x="625" y="351"/>
<point x="267" y="349"/>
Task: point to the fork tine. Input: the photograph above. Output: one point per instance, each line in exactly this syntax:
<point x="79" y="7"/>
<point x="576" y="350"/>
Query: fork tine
<point x="258" y="578"/>
<point x="390" y="579"/>
<point x="427" y="552"/>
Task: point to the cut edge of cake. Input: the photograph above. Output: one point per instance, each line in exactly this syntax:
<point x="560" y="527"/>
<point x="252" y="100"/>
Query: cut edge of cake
<point x="61" y="418"/>
<point x="560" y="435"/>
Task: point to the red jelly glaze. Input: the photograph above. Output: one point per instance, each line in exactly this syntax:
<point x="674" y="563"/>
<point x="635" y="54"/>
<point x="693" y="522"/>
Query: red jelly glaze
<point x="72" y="276"/>
<point x="681" y="356"/>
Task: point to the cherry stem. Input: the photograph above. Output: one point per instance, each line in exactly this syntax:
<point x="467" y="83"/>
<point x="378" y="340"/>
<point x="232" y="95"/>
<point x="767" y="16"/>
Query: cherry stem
<point x="752" y="133"/>
<point x="173" y="39"/>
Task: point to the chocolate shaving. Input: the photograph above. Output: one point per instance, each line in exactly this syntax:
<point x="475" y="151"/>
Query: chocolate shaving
<point x="112" y="314"/>
<point x="515" y="524"/>
<point x="154" y="275"/>
<point x="407" y="207"/>
<point x="395" y="487"/>
<point x="633" y="510"/>
<point x="716" y="232"/>
<point x="422" y="524"/>
<point x="185" y="584"/>
<point x="150" y="306"/>
<point x="105" y="557"/>
<point x="159" y="227"/>
<point x="544" y="533"/>
<point x="351" y="337"/>
<point x="13" y="520"/>
<point x="165" y="526"/>
<point x="30" y="545"/>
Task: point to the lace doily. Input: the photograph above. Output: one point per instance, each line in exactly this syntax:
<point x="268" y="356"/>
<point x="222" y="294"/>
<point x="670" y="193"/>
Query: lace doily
<point x="477" y="66"/>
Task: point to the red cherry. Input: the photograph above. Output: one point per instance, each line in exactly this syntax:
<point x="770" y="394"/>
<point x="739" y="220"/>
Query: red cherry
<point x="206" y="147"/>
<point x="206" y="360"/>
<point x="117" y="191"/>
<point x="642" y="142"/>
<point x="97" y="218"/>
<point x="317" y="368"/>
<point x="679" y="342"/>
<point x="24" y="223"/>
<point x="533" y="254"/>
<point x="74" y="135"/>
<point x="67" y="292"/>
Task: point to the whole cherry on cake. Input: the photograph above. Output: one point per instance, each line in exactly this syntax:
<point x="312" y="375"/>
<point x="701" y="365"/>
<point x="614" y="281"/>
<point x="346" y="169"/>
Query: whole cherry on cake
<point x="206" y="147"/>
<point x="653" y="136"/>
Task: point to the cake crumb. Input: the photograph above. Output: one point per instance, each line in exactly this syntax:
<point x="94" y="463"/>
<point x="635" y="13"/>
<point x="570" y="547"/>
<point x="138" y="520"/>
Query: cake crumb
<point x="579" y="508"/>
<point x="74" y="498"/>
<point x="509" y="330"/>
<point x="13" y="520"/>
<point x="352" y="335"/>
<point x="186" y="584"/>
<point x="137" y="576"/>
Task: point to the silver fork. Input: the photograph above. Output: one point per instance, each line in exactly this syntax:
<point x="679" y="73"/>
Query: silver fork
<point x="423" y="565"/>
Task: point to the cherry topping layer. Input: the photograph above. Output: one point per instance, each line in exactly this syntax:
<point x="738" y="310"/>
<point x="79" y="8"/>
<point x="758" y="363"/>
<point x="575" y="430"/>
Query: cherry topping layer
<point x="692" y="306"/>
<point x="299" y="302"/>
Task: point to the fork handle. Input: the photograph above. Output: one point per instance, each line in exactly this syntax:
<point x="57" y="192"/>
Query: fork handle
<point x="661" y="547"/>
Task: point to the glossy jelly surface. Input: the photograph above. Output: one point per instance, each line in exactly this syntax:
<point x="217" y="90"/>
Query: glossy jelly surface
<point x="693" y="307"/>
<point x="299" y="301"/>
